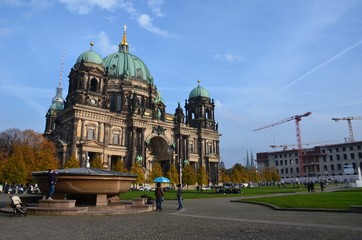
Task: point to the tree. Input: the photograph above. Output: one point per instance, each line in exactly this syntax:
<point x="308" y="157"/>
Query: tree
<point x="15" y="170"/>
<point x="174" y="176"/>
<point x="72" y="162"/>
<point x="119" y="167"/>
<point x="224" y="176"/>
<point x="188" y="175"/>
<point x="274" y="174"/>
<point x="7" y="140"/>
<point x="137" y="169"/>
<point x="96" y="163"/>
<point x="29" y="147"/>
<point x="156" y="171"/>
<point x="202" y="176"/>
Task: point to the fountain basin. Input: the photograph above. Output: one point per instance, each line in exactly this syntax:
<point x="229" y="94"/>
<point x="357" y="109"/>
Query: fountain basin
<point x="87" y="185"/>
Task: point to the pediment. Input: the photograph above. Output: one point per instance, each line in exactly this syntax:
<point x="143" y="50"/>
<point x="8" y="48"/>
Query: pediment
<point x="92" y="143"/>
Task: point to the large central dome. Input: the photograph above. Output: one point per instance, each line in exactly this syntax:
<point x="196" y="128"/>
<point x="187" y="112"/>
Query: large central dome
<point x="122" y="64"/>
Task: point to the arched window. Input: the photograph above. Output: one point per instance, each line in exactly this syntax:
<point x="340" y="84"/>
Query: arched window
<point x="93" y="85"/>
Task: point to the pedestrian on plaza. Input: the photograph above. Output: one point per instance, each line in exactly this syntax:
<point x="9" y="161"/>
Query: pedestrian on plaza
<point x="159" y="197"/>
<point x="52" y="178"/>
<point x="179" y="197"/>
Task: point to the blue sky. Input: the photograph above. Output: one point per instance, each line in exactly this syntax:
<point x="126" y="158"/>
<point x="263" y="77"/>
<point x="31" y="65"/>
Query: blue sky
<point x="261" y="61"/>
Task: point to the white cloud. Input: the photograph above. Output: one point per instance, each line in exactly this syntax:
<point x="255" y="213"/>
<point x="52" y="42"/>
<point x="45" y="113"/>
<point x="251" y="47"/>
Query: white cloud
<point x="38" y="4"/>
<point x="105" y="45"/>
<point x="145" y="21"/>
<point x="228" y="57"/>
<point x="155" y="6"/>
<point x="85" y="6"/>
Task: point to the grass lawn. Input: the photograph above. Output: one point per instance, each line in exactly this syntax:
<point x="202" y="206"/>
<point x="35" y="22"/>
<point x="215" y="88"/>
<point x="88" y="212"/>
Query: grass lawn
<point x="324" y="200"/>
<point x="192" y="194"/>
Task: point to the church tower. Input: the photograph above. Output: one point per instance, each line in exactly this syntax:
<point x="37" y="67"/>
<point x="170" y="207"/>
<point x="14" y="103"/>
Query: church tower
<point x="88" y="81"/>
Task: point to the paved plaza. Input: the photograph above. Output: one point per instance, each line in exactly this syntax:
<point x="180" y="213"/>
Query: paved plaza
<point x="217" y="218"/>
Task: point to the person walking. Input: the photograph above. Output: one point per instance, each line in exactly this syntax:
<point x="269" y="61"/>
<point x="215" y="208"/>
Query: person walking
<point x="52" y="178"/>
<point x="159" y="197"/>
<point x="179" y="197"/>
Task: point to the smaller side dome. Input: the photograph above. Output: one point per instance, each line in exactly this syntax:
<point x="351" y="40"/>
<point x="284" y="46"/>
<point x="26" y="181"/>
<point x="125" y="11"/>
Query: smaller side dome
<point x="57" y="106"/>
<point x="199" y="92"/>
<point x="91" y="57"/>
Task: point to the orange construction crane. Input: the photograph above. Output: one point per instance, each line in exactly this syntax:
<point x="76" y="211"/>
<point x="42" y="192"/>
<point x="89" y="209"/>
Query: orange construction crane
<point x="351" y="138"/>
<point x="297" y="119"/>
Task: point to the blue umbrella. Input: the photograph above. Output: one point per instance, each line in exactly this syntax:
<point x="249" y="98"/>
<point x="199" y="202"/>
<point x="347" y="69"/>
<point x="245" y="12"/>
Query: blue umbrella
<point x="161" y="180"/>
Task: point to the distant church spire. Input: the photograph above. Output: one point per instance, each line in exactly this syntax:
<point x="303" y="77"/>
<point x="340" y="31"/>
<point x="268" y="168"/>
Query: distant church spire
<point x="59" y="94"/>
<point x="247" y="159"/>
<point x="123" y="46"/>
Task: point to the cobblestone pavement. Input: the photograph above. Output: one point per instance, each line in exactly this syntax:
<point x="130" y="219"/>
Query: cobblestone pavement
<point x="216" y="218"/>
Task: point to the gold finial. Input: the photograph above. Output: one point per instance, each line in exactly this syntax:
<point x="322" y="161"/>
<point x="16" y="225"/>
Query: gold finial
<point x="91" y="44"/>
<point x="123" y="46"/>
<point x="198" y="82"/>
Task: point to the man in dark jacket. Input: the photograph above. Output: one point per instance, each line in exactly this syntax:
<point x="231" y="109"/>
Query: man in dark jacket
<point x="52" y="178"/>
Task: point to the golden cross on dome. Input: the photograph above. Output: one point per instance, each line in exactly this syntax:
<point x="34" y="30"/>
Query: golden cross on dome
<point x="125" y="28"/>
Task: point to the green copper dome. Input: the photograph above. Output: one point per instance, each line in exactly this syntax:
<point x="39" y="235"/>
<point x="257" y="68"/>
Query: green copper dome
<point x="124" y="64"/>
<point x="199" y="92"/>
<point x="91" y="57"/>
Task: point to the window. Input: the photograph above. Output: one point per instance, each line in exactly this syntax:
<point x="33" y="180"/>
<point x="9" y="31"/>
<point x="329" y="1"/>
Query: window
<point x="291" y="170"/>
<point x="332" y="167"/>
<point x="337" y="149"/>
<point x="291" y="161"/>
<point x="191" y="148"/>
<point x="351" y="148"/>
<point x="344" y="149"/>
<point x="116" y="138"/>
<point x="296" y="161"/>
<point x="331" y="158"/>
<point x="339" y="167"/>
<point x="112" y="101"/>
<point x="93" y="85"/>
<point x="281" y="162"/>
<point x="345" y="156"/>
<point x="352" y="155"/>
<point x="282" y="171"/>
<point x="324" y="159"/>
<point x="338" y="157"/>
<point x="359" y="147"/>
<point x="119" y="103"/>
<point x="276" y="163"/>
<point x="286" y="171"/>
<point x="285" y="162"/>
<point x="359" y="155"/>
<point x="90" y="133"/>
<point x="330" y="150"/>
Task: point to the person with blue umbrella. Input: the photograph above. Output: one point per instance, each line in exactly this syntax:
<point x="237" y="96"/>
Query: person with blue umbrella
<point x="159" y="197"/>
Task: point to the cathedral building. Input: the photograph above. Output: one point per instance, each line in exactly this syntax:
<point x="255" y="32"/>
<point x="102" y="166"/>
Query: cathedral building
<point x="113" y="111"/>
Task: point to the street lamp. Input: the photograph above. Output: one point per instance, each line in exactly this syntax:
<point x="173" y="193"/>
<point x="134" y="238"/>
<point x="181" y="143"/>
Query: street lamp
<point x="170" y="151"/>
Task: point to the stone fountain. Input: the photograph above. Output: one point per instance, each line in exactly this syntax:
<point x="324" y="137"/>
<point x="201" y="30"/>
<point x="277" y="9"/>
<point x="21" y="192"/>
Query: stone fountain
<point x="88" y="186"/>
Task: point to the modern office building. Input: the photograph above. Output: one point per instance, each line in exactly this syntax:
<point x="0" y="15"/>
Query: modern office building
<point x="336" y="161"/>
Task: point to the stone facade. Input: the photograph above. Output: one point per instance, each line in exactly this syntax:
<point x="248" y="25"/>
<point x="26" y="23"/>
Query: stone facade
<point x="122" y="117"/>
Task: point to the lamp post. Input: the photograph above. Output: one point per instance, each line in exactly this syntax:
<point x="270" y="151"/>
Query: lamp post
<point x="170" y="151"/>
<point x="180" y="174"/>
